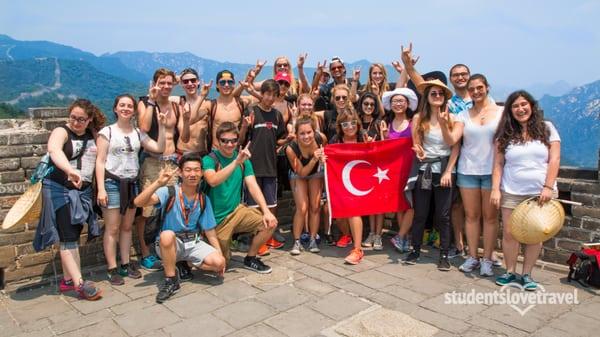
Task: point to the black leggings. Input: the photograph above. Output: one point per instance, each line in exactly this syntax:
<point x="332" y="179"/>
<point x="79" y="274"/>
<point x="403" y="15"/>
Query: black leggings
<point x="66" y="231"/>
<point x="443" y="204"/>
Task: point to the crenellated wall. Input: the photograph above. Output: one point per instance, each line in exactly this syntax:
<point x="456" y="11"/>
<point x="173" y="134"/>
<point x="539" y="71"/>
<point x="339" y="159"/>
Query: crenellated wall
<point x="23" y="142"/>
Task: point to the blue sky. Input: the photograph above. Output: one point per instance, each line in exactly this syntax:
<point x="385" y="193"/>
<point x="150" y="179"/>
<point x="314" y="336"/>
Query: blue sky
<point x="514" y="43"/>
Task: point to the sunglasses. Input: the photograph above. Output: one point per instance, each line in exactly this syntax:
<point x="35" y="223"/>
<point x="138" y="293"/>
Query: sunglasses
<point x="341" y="98"/>
<point x="78" y="119"/>
<point x="228" y="140"/>
<point x="337" y="68"/>
<point x="436" y="93"/>
<point x="189" y="80"/>
<point x="231" y="83"/>
<point x="282" y="65"/>
<point x="367" y="104"/>
<point x="347" y="125"/>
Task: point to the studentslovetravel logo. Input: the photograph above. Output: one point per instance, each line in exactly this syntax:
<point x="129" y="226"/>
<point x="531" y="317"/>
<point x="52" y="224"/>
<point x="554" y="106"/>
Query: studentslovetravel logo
<point x="513" y="295"/>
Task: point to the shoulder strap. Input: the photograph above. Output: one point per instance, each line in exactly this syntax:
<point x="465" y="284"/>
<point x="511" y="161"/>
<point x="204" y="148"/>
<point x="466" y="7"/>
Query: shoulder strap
<point x="170" y="199"/>
<point x="216" y="160"/>
<point x="213" y="109"/>
<point x="240" y="104"/>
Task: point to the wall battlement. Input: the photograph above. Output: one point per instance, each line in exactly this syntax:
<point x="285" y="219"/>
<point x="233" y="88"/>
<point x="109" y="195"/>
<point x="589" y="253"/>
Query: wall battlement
<point x="23" y="142"/>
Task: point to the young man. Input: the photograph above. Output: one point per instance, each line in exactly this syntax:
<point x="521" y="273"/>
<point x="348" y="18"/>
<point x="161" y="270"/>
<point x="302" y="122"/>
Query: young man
<point x="226" y="170"/>
<point x="148" y="109"/>
<point x="190" y="213"/>
<point x="337" y="69"/>
<point x="267" y="131"/>
<point x="198" y="124"/>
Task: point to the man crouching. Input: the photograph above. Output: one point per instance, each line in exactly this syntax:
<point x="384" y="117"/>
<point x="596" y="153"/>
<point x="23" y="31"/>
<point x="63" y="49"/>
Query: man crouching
<point x="186" y="212"/>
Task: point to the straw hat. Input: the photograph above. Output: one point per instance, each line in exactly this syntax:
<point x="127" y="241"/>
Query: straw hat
<point x="531" y="224"/>
<point x="423" y="85"/>
<point x="27" y="209"/>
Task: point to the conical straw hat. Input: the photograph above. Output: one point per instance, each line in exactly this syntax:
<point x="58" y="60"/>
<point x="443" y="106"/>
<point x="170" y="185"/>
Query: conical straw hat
<point x="27" y="209"/>
<point x="532" y="223"/>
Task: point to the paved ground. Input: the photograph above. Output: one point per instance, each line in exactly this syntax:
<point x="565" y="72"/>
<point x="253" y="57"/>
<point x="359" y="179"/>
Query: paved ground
<point x="308" y="295"/>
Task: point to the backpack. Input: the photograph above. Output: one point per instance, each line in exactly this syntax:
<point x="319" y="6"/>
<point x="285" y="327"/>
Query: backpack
<point x="583" y="268"/>
<point x="205" y="187"/>
<point x="211" y="119"/>
<point x="155" y="222"/>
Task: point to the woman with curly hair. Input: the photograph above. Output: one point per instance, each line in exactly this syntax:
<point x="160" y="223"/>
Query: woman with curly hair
<point x="67" y="194"/>
<point x="526" y="163"/>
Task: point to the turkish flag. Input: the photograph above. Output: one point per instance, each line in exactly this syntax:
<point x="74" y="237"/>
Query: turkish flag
<point x="367" y="178"/>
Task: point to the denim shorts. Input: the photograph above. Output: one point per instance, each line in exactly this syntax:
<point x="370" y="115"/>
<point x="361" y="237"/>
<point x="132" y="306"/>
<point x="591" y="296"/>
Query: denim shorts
<point x="483" y="181"/>
<point x="114" y="193"/>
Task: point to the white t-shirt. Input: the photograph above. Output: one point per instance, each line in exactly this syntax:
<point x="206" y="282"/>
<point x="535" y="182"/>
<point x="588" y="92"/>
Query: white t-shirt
<point x="526" y="165"/>
<point x="434" y="146"/>
<point x="123" y="150"/>
<point x="477" y="150"/>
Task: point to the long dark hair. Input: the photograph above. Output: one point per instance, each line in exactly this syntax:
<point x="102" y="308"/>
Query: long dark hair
<point x="510" y="130"/>
<point x="425" y="111"/>
<point x="377" y="111"/>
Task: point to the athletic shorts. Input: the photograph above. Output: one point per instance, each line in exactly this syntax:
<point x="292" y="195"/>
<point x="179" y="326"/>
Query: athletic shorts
<point x="268" y="186"/>
<point x="194" y="251"/>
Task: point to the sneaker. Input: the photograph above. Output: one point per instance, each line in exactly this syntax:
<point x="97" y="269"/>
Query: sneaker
<point x="66" y="285"/>
<point x="368" y="242"/>
<point x="377" y="243"/>
<point x="184" y="271"/>
<point x="344" y="241"/>
<point x="528" y="283"/>
<point x="313" y="247"/>
<point x="297" y="248"/>
<point x="88" y="291"/>
<point x="115" y="278"/>
<point x="329" y="240"/>
<point x="355" y="256"/>
<point x="469" y="265"/>
<point x="406" y="245"/>
<point x="318" y="238"/>
<point x="486" y="267"/>
<point x="254" y="263"/>
<point x="496" y="262"/>
<point x="397" y="242"/>
<point x="304" y="238"/>
<point x="455" y="252"/>
<point x="505" y="279"/>
<point x="167" y="289"/>
<point x="443" y="263"/>
<point x="412" y="257"/>
<point x="150" y="262"/>
<point x="130" y="270"/>
<point x="263" y="250"/>
<point x="274" y="243"/>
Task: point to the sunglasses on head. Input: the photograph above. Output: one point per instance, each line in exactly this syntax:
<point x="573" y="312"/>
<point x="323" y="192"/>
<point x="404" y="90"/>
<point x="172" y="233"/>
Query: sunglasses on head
<point x="349" y="124"/>
<point x="189" y="80"/>
<point x="226" y="82"/>
<point x="341" y="98"/>
<point x="228" y="140"/>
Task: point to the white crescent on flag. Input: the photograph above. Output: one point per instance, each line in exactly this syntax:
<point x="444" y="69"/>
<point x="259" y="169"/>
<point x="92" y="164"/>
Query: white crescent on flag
<point x="346" y="178"/>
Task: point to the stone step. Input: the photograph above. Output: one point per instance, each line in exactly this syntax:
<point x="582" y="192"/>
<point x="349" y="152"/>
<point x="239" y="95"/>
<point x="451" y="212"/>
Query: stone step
<point x="590" y="200"/>
<point x="570" y="172"/>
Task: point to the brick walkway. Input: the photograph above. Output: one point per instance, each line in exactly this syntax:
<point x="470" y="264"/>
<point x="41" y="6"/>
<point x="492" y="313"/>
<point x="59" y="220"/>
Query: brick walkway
<point x="308" y="295"/>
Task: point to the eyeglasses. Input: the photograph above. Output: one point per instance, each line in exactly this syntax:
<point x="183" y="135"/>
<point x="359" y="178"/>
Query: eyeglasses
<point x="190" y="170"/>
<point x="189" y="80"/>
<point x="231" y="83"/>
<point x="348" y="125"/>
<point x="398" y="101"/>
<point x="283" y="83"/>
<point x="368" y="104"/>
<point x="78" y="119"/>
<point x="282" y="65"/>
<point x="460" y="75"/>
<point x="228" y="140"/>
<point x="341" y="98"/>
<point x="436" y="93"/>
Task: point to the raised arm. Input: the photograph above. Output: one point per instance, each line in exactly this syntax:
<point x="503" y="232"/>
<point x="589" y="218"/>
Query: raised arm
<point x="196" y="112"/>
<point x="318" y="74"/>
<point x="354" y="86"/>
<point x="452" y="130"/>
<point x="402" y="75"/>
<point x="157" y="146"/>
<point x="304" y="86"/>
<point x="145" y="111"/>
<point x="409" y="65"/>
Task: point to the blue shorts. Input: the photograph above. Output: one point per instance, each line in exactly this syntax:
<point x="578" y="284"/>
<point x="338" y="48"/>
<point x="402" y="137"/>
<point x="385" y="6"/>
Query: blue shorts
<point x="483" y="181"/>
<point x="114" y="193"/>
<point x="268" y="186"/>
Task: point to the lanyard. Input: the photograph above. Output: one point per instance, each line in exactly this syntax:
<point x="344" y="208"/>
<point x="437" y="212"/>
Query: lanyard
<point x="184" y="210"/>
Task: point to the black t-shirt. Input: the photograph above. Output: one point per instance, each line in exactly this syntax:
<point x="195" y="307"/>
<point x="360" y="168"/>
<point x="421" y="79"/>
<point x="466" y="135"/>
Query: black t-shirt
<point x="268" y="127"/>
<point x="323" y="102"/>
<point x="329" y="126"/>
<point x="372" y="129"/>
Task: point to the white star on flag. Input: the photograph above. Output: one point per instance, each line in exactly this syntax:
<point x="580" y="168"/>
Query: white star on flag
<point x="381" y="174"/>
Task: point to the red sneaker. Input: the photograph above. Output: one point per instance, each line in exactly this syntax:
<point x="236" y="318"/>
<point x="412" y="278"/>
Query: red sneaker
<point x="65" y="285"/>
<point x="263" y="250"/>
<point x="274" y="243"/>
<point x="344" y="241"/>
<point x="355" y="256"/>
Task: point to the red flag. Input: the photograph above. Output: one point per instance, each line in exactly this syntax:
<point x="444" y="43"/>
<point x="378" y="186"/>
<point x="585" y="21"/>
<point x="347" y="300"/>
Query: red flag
<point x="368" y="178"/>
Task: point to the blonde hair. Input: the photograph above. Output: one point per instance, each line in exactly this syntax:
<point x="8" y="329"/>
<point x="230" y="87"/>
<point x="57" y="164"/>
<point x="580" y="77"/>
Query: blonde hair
<point x="349" y="105"/>
<point x="294" y="85"/>
<point x="384" y="86"/>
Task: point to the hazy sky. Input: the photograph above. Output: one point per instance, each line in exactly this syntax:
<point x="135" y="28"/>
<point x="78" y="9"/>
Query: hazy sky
<point x="515" y="43"/>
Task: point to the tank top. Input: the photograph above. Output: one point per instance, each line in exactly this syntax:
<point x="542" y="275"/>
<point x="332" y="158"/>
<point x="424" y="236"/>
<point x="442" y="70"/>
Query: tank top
<point x="406" y="133"/>
<point x="434" y="146"/>
<point x="304" y="160"/>
<point x="82" y="160"/>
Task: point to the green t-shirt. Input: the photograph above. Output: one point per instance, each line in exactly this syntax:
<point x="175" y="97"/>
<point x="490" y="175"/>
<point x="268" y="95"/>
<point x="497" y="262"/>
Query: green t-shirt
<point x="226" y="196"/>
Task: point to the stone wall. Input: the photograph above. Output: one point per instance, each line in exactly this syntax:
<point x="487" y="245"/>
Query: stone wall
<point x="23" y="142"/>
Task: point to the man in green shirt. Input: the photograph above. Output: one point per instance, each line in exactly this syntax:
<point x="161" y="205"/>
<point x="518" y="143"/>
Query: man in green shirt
<point x="226" y="170"/>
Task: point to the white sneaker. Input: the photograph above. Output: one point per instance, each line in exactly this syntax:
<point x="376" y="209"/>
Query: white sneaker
<point x="377" y="243"/>
<point x="313" y="247"/>
<point x="368" y="242"/>
<point x="297" y="248"/>
<point x="486" y="267"/>
<point x="469" y="265"/>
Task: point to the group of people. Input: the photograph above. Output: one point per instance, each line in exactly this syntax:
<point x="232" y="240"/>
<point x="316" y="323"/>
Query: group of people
<point x="203" y="170"/>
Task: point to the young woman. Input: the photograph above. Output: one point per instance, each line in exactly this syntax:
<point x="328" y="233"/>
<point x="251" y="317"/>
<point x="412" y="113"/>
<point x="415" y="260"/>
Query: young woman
<point x="306" y="156"/>
<point x="476" y="127"/>
<point x="526" y="163"/>
<point x="437" y="159"/>
<point x="117" y="171"/>
<point x="340" y="100"/>
<point x="67" y="194"/>
<point x="376" y="83"/>
<point x="349" y="130"/>
<point x="400" y="105"/>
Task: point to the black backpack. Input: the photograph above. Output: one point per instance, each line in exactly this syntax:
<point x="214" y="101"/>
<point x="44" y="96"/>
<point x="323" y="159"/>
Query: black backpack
<point x="155" y="222"/>
<point x="583" y="268"/>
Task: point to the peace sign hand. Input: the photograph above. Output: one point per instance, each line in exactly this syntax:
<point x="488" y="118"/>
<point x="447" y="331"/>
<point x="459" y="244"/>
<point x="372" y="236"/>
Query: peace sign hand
<point x="384" y="129"/>
<point x="259" y="66"/>
<point x="321" y="67"/>
<point x="165" y="175"/>
<point x="444" y="116"/>
<point x="187" y="112"/>
<point x="356" y="74"/>
<point x="153" y="91"/>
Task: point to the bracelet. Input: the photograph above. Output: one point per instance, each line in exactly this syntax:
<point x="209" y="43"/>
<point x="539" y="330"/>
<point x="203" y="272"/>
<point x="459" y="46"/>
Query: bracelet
<point x="548" y="187"/>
